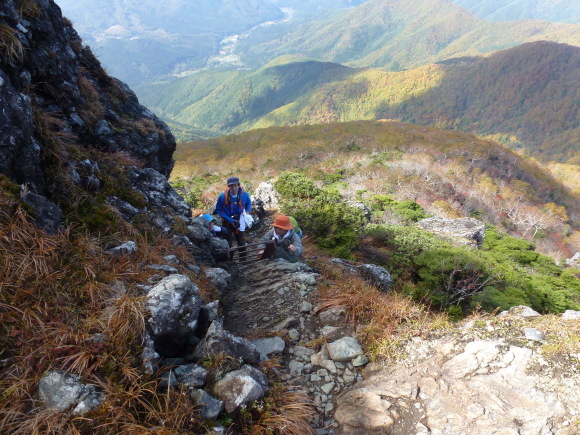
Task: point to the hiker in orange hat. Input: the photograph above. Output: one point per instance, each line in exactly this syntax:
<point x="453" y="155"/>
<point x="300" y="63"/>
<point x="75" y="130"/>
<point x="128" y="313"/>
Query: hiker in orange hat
<point x="287" y="244"/>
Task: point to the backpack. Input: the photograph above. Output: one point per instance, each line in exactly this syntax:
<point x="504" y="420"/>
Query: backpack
<point x="227" y="198"/>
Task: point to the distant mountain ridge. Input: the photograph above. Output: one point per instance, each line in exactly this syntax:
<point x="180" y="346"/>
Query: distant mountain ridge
<point x="564" y="11"/>
<point x="526" y="96"/>
<point x="397" y="34"/>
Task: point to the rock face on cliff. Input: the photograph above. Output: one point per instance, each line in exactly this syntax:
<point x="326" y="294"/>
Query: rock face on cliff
<point x="55" y="97"/>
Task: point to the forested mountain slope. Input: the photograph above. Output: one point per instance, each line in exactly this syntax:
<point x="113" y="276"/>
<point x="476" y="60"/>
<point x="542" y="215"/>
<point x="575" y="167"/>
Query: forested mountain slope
<point x="397" y="34"/>
<point x="526" y="96"/>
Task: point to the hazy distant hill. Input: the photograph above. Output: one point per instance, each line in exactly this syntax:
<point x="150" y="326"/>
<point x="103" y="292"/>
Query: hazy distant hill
<point x="141" y="40"/>
<point x="565" y="11"/>
<point x="527" y="96"/>
<point x="398" y="34"/>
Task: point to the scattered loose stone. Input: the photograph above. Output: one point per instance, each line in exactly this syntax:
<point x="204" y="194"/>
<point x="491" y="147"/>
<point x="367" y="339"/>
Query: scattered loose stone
<point x="329" y="365"/>
<point x="269" y="346"/>
<point x="360" y="360"/>
<point x="327" y="388"/>
<point x="533" y="334"/>
<point x="344" y="349"/>
<point x="294" y="335"/>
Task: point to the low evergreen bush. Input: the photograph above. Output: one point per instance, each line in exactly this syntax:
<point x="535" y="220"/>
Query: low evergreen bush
<point x="321" y="213"/>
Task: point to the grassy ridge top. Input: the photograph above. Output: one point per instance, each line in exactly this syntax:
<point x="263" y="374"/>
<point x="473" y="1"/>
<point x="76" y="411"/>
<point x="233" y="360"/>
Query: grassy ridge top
<point x="444" y="173"/>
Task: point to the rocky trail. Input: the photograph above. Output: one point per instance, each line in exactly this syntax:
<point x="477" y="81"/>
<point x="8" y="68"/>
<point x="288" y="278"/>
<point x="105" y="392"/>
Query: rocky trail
<point x="275" y="304"/>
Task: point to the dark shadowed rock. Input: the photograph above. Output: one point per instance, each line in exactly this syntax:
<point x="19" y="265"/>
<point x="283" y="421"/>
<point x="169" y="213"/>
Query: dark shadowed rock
<point x="218" y="340"/>
<point x="378" y="275"/>
<point x="190" y="375"/>
<point x="47" y="215"/>
<point x="211" y="407"/>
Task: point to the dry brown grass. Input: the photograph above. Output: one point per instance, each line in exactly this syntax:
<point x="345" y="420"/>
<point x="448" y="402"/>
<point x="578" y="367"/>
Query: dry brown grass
<point x="28" y="8"/>
<point x="283" y="411"/>
<point x="58" y="294"/>
<point x="383" y="319"/>
<point x="10" y="46"/>
<point x="93" y="110"/>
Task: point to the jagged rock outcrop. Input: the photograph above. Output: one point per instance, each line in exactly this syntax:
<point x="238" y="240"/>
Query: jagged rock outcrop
<point x="268" y="195"/>
<point x="376" y="275"/>
<point x="54" y="94"/>
<point x="466" y="231"/>
<point x="475" y="380"/>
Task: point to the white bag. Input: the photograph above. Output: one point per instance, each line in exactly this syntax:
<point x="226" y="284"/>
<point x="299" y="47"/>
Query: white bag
<point x="248" y="219"/>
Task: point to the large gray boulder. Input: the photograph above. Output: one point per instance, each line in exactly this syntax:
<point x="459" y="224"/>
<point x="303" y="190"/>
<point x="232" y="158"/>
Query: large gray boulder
<point x="218" y="340"/>
<point x="174" y="304"/>
<point x="62" y="391"/>
<point x="344" y="349"/>
<point x="240" y="387"/>
<point x="467" y="231"/>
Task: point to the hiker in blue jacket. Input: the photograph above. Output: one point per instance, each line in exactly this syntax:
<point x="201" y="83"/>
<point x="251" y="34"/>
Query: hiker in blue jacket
<point x="231" y="205"/>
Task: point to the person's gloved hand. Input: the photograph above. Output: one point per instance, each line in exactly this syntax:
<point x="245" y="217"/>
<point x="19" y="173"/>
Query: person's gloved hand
<point x="236" y="224"/>
<point x="286" y="243"/>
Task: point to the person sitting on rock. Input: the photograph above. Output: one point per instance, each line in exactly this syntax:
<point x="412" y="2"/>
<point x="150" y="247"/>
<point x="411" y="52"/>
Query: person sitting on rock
<point x="213" y="228"/>
<point x="283" y="241"/>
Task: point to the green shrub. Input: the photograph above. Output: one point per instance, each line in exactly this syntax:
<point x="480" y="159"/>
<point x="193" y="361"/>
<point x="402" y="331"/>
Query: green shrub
<point x="321" y="213"/>
<point x="453" y="276"/>
<point x="505" y="273"/>
<point x="403" y="244"/>
<point x="331" y="178"/>
<point x="409" y="210"/>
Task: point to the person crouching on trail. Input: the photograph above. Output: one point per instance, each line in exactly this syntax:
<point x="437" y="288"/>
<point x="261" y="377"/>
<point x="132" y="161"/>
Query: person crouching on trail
<point x="214" y="229"/>
<point x="231" y="205"/>
<point x="287" y="244"/>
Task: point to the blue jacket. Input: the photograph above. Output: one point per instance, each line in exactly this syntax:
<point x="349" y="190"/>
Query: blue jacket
<point x="226" y="211"/>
